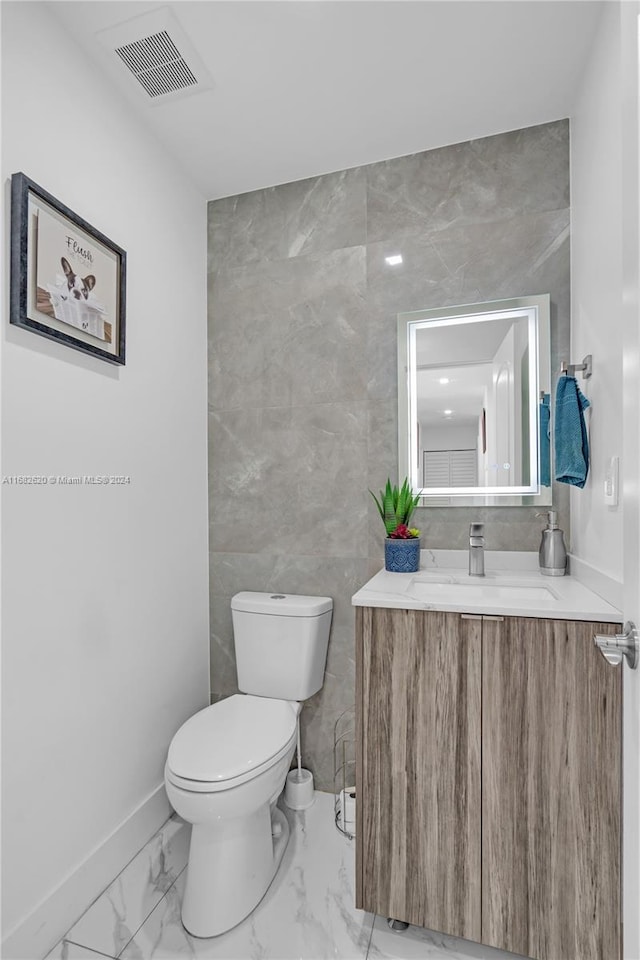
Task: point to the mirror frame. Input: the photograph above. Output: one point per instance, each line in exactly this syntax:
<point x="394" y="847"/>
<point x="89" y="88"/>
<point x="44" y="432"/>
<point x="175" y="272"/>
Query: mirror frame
<point x="537" y="311"/>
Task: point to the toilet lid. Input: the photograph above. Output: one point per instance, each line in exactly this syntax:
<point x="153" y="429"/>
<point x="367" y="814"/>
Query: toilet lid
<point x="231" y="737"/>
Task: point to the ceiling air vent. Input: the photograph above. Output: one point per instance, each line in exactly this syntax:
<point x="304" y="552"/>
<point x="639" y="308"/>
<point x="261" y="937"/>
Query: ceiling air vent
<point x="159" y="55"/>
<point x="157" y="64"/>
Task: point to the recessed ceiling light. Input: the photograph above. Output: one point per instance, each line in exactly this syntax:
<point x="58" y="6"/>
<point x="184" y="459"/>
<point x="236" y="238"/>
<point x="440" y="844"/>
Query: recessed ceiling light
<point x="448" y="413"/>
<point x="394" y="260"/>
<point x="443" y="380"/>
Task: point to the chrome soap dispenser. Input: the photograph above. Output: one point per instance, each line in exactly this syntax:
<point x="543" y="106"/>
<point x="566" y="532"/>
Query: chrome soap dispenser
<point x="553" y="553"/>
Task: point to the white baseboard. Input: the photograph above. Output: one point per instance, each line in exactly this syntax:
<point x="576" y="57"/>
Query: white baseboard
<point x="47" y="923"/>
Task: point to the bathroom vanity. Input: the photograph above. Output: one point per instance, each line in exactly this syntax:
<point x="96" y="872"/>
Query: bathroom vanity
<point x="488" y="759"/>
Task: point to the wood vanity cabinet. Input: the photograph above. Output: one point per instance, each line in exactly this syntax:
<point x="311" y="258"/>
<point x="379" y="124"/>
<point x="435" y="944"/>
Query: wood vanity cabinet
<point x="489" y="780"/>
<point x="418" y="778"/>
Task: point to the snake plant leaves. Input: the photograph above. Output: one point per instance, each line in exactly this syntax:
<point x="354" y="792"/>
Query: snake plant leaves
<point x="396" y="506"/>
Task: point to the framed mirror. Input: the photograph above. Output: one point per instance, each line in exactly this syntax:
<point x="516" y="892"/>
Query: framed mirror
<point x="474" y="386"/>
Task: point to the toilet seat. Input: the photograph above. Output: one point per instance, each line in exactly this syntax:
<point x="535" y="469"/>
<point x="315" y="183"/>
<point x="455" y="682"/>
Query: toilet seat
<point x="231" y="742"/>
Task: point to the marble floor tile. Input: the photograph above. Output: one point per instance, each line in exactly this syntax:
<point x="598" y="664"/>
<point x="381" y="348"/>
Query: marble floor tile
<point x="112" y="920"/>
<point x="65" y="950"/>
<point x="307" y="912"/>
<point x="416" y="943"/>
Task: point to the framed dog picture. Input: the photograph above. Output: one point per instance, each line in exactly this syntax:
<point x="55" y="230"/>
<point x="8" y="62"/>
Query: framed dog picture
<point x="68" y="281"/>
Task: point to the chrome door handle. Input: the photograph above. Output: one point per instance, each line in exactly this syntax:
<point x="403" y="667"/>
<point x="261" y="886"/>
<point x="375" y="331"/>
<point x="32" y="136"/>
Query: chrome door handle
<point x="625" y="644"/>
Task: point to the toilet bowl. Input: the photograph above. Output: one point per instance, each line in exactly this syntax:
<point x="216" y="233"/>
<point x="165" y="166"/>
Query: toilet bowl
<point x="227" y="765"/>
<point x="225" y="769"/>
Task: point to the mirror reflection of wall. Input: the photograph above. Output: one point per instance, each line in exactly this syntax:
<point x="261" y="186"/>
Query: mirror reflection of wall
<point x="471" y="400"/>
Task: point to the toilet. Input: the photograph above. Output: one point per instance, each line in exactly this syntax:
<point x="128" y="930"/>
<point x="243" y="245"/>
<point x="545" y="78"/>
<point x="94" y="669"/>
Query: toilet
<point x="227" y="765"/>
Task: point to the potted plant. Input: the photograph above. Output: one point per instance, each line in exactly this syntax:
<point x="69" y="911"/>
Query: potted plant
<point x="402" y="546"/>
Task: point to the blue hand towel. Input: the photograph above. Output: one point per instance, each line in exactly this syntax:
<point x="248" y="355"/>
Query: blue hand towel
<point x="571" y="444"/>
<point x="545" y="440"/>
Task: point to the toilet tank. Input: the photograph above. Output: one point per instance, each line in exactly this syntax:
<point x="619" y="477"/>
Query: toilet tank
<point x="281" y="643"/>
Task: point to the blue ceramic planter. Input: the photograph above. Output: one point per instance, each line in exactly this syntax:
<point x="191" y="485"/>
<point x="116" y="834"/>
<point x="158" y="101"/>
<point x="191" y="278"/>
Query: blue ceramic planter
<point x="402" y="556"/>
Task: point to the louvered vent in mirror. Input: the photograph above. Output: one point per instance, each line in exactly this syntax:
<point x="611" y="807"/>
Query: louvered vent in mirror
<point x="157" y="64"/>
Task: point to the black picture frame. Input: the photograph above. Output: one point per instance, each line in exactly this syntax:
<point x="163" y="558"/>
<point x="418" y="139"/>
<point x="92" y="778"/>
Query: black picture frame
<point x="68" y="312"/>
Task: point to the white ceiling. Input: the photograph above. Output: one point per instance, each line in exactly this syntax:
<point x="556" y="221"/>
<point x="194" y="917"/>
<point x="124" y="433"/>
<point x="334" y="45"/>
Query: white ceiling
<point x="442" y="346"/>
<point x="463" y="395"/>
<point x="302" y="88"/>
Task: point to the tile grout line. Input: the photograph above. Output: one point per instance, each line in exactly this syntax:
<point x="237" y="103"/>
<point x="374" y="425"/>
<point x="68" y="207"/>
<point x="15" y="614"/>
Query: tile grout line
<point x="153" y="909"/>
<point x="84" y="946"/>
<point x="373" y="923"/>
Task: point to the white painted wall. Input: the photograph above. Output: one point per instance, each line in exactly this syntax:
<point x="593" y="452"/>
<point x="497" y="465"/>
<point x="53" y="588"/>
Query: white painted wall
<point x="606" y="322"/>
<point x="596" y="287"/>
<point x="105" y="594"/>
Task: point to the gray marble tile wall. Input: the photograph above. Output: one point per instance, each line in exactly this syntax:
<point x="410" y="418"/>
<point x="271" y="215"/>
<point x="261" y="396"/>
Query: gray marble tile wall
<point x="303" y="372"/>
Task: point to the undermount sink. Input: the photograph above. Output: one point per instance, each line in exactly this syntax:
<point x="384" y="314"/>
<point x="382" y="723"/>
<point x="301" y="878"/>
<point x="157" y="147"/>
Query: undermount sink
<point x="468" y="591"/>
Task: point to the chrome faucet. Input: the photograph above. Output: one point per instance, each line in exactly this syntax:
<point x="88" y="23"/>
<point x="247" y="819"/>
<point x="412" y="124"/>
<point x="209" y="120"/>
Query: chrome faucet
<point x="476" y="550"/>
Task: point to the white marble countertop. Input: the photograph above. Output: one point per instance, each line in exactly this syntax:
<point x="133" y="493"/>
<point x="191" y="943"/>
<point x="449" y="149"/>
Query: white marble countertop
<point x="512" y="586"/>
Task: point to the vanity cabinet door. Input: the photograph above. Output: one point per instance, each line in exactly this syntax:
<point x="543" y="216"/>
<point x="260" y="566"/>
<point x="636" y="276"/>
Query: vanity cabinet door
<point x="418" y="718"/>
<point x="551" y="742"/>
